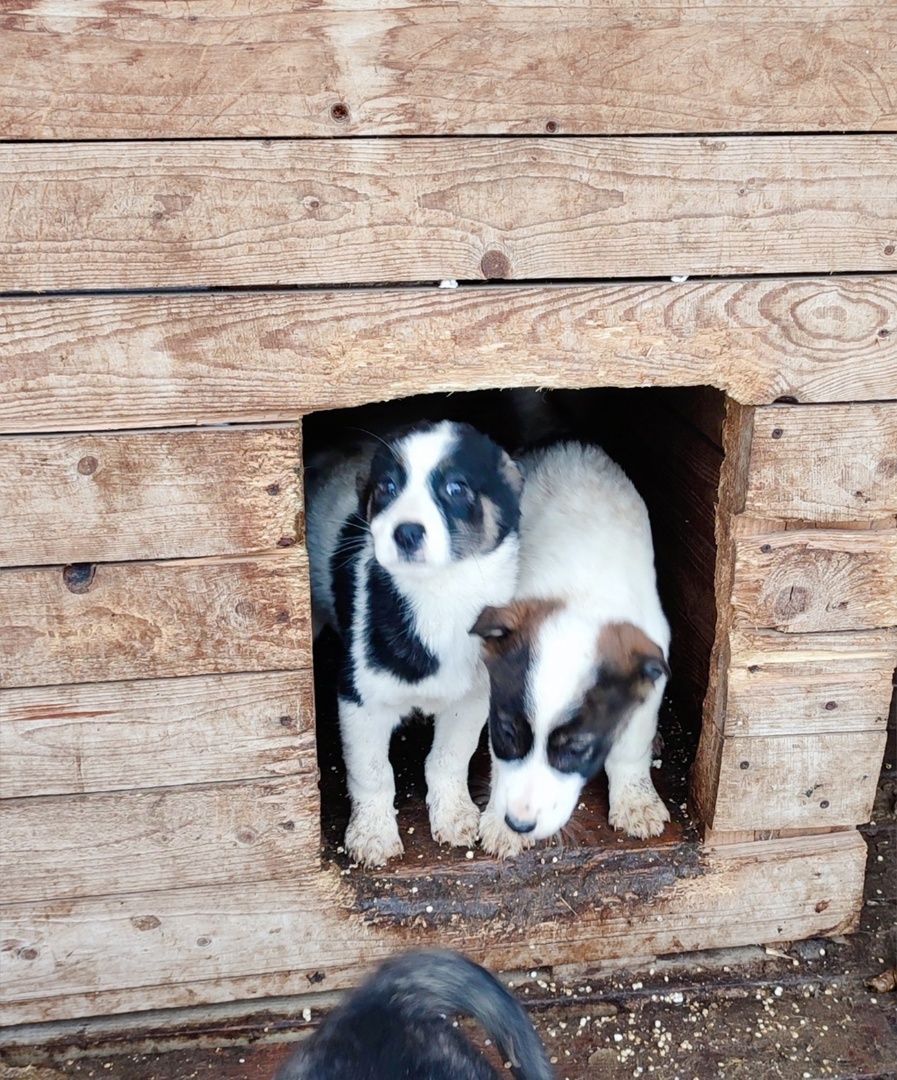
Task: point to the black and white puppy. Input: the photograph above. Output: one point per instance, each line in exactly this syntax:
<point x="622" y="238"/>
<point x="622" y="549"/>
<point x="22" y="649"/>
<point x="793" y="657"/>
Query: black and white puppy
<point x="395" y="1025"/>
<point x="409" y="540"/>
<point x="578" y="661"/>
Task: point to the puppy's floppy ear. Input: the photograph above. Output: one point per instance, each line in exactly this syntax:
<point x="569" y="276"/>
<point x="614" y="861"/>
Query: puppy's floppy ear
<point x="495" y="624"/>
<point x="512" y="473"/>
<point x="628" y="651"/>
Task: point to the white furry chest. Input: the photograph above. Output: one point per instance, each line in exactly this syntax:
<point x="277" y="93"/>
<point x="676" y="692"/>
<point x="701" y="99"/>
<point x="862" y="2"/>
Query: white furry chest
<point x="443" y="607"/>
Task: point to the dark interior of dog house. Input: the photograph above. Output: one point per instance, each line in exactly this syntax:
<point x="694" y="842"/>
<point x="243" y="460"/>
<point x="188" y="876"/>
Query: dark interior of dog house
<point x="668" y="442"/>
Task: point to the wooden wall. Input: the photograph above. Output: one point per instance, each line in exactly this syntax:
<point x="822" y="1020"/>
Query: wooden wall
<point x="189" y="190"/>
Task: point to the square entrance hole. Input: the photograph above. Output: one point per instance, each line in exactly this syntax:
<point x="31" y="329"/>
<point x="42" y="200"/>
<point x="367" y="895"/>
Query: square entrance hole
<point x="668" y="440"/>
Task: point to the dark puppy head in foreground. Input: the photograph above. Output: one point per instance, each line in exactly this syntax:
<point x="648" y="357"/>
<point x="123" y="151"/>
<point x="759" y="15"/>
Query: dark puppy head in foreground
<point x="437" y="493"/>
<point x="398" y="1024"/>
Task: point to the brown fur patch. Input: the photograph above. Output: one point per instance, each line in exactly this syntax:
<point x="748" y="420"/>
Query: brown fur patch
<point x="624" y="650"/>
<point x="515" y="623"/>
<point x="619" y="644"/>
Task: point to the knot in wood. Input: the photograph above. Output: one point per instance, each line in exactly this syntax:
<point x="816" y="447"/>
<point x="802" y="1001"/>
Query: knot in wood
<point x="78" y="577"/>
<point x="494" y="264"/>
<point x="87" y="466"/>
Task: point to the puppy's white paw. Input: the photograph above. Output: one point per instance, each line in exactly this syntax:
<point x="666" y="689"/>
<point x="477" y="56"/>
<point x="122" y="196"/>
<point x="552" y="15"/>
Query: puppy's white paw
<point x="454" y="818"/>
<point x="638" y="810"/>
<point x="372" y="838"/>
<point x="497" y="839"/>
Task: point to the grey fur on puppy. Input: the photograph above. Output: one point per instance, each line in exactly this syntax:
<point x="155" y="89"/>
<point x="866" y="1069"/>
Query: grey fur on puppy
<point x="396" y="1025"/>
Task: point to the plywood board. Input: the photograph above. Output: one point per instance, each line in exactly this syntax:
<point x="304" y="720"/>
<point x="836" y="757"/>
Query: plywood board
<point x="100" y="362"/>
<point x="57" y="740"/>
<point x="202" y="945"/>
<point x="133" y="495"/>
<point x="220" y="213"/>
<point x="160" y="838"/>
<point x="259" y="67"/>
<point x="828" y="463"/>
<point x="148" y="620"/>
<point x="804" y="684"/>
<point x="815" y="580"/>
<point x="797" y="781"/>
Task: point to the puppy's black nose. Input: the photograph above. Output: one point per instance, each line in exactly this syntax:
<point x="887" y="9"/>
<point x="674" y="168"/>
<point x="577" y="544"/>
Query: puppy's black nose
<point x="408" y="536"/>
<point x="519" y="826"/>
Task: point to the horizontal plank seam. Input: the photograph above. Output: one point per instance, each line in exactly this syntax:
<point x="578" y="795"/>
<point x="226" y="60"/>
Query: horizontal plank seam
<point x="38" y="687"/>
<point x="456" y="136"/>
<point x="238" y="426"/>
<point x="199" y="785"/>
<point x="265" y="554"/>
<point x="434" y="283"/>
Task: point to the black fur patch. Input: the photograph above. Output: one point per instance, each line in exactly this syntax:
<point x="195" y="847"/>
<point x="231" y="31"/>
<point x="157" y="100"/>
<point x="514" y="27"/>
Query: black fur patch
<point x="392" y="642"/>
<point x="387" y="477"/>
<point x="398" y="1024"/>
<point x="510" y="733"/>
<point x="473" y="471"/>
<point x="582" y="744"/>
<point x="344" y="574"/>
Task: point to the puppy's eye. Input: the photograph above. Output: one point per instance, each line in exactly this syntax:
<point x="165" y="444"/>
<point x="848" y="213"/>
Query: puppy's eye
<point x="458" y="490"/>
<point x="386" y="488"/>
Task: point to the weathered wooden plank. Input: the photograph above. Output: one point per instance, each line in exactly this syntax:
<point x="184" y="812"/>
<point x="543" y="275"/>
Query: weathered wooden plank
<point x="736" y="430"/>
<point x="816" y="579"/>
<point x="162" y="838"/>
<point x="73" y="70"/>
<point x="797" y="781"/>
<point x="219" y="213"/>
<point x="91" y="363"/>
<point x="133" y="495"/>
<point x="826" y="463"/>
<point x="202" y="945"/>
<point x="803" y="684"/>
<point x="149" y="620"/>
<point x="57" y="740"/>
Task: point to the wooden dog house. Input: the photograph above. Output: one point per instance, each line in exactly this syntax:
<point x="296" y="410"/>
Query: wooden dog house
<point x="199" y="199"/>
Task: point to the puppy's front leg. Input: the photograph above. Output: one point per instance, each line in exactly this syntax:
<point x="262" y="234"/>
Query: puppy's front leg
<point x="454" y="817"/>
<point x="373" y="835"/>
<point x="635" y="807"/>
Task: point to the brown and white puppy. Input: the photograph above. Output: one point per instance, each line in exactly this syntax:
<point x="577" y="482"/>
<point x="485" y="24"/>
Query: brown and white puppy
<point x="577" y="662"/>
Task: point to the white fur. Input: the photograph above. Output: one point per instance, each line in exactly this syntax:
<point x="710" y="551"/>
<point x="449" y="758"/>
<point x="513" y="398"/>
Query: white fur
<point x="446" y="597"/>
<point x="586" y="542"/>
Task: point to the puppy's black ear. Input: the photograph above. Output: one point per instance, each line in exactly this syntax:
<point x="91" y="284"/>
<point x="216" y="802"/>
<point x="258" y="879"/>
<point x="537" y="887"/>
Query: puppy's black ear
<point x="494" y="624"/>
<point x="653" y="667"/>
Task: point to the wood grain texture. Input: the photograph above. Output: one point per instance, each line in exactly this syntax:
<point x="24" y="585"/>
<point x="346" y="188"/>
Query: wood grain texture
<point x="202" y="945"/>
<point x="92" y="363"/>
<point x="798" y="781"/>
<point x="148" y="620"/>
<point x="132" y="495"/>
<point x="163" y="838"/>
<point x="816" y="579"/>
<point x="828" y="463"/>
<point x="77" y="70"/>
<point x="220" y="213"/>
<point x="57" y="740"/>
<point x="803" y="684"/>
